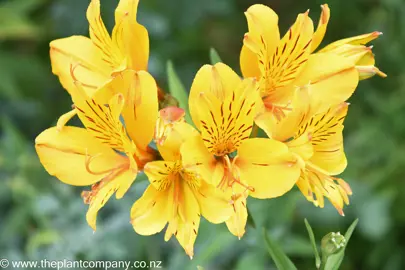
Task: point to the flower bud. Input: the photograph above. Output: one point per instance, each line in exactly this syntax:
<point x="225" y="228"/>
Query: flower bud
<point x="332" y="243"/>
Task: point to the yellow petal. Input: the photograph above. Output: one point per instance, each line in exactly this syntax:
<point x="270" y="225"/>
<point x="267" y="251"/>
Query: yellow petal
<point x="134" y="36"/>
<point x="224" y="125"/>
<point x="263" y="29"/>
<point x="120" y="184"/>
<point x="331" y="79"/>
<point x="279" y="69"/>
<point x="64" y="154"/>
<point x="358" y="54"/>
<point x="215" y="207"/>
<point x="151" y="212"/>
<point x="357" y="40"/>
<point x="189" y="221"/>
<point x="327" y="139"/>
<point x="285" y="128"/>
<point x="160" y="173"/>
<point x="140" y="110"/>
<point x="76" y="58"/>
<point x="263" y="23"/>
<point x="272" y="171"/>
<point x="195" y="157"/>
<point x="249" y="63"/>
<point x="322" y="26"/>
<point x="237" y="222"/>
<point x="302" y="146"/>
<point x="103" y="120"/>
<point x="366" y="72"/>
<point x="219" y="80"/>
<point x="111" y="53"/>
<point x="62" y="121"/>
<point x="178" y="133"/>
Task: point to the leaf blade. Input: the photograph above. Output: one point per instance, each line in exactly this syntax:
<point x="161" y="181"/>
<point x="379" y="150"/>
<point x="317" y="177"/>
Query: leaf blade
<point x="214" y="57"/>
<point x="312" y="239"/>
<point x="177" y="89"/>
<point x="334" y="261"/>
<point x="280" y="259"/>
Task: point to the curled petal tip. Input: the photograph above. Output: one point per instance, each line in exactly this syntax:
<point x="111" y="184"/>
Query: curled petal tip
<point x="381" y="74"/>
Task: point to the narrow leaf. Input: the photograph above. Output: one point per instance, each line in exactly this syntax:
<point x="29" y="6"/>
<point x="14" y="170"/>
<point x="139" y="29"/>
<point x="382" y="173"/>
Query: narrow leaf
<point x="214" y="57"/>
<point x="334" y="261"/>
<point x="312" y="238"/>
<point x="279" y="257"/>
<point x="177" y="89"/>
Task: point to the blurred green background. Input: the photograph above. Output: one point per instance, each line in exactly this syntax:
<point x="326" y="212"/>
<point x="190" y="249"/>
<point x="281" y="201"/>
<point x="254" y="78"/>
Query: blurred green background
<point x="42" y="218"/>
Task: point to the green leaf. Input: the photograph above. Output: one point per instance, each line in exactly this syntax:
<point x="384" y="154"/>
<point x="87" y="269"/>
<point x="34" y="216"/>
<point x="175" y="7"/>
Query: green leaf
<point x="214" y="57"/>
<point x="250" y="220"/>
<point x="312" y="238"/>
<point x="279" y="257"/>
<point x="177" y="89"/>
<point x="334" y="261"/>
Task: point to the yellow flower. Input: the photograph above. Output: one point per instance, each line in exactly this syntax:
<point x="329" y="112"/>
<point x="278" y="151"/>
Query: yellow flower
<point x="318" y="141"/>
<point x="92" y="61"/>
<point x="282" y="65"/>
<point x="176" y="196"/>
<point x="223" y="107"/>
<point x="353" y="48"/>
<point x="105" y="154"/>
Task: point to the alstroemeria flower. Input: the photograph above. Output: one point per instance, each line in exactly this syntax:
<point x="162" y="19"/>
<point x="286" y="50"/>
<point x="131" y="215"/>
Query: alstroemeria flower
<point x="104" y="154"/>
<point x="223" y="107"/>
<point x="318" y="141"/>
<point x="282" y="65"/>
<point x="353" y="48"/>
<point x="92" y="61"/>
<point x="176" y="195"/>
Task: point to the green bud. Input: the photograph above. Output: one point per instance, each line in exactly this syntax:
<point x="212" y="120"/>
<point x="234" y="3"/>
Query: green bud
<point x="332" y="243"/>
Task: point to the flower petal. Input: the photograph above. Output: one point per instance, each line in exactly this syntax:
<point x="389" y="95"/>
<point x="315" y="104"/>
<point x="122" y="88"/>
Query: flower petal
<point x="272" y="171"/>
<point x="237" y="222"/>
<point x="119" y="184"/>
<point x="195" y="157"/>
<point x="249" y="64"/>
<point x="285" y="128"/>
<point x="282" y="66"/>
<point x="160" y="173"/>
<point x="189" y="213"/>
<point x="322" y="25"/>
<point x="103" y="120"/>
<point x="219" y="80"/>
<point x="64" y="153"/>
<point x="215" y="207"/>
<point x="357" y="40"/>
<point x="130" y="35"/>
<point x="111" y="52"/>
<point x="76" y="58"/>
<point x="224" y="125"/>
<point x="327" y="140"/>
<point x="140" y="110"/>
<point x="331" y="79"/>
<point x="177" y="134"/>
<point x="151" y="212"/>
<point x="263" y="24"/>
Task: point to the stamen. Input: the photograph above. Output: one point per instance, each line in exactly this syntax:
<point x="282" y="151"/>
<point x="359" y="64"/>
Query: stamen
<point x="89" y="159"/>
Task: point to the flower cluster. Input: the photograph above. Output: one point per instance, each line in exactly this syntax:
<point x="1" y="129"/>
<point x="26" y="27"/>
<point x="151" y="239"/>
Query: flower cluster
<point x="293" y="91"/>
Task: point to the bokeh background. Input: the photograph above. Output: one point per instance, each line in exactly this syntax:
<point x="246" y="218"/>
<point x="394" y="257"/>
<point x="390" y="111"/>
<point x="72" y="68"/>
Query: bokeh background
<point x="42" y="218"/>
